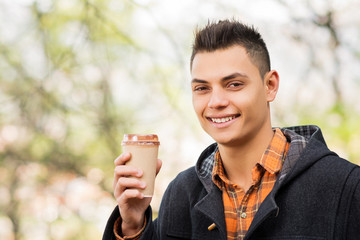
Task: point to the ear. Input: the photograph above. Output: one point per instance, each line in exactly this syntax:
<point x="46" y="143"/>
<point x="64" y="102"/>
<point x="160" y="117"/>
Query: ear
<point x="271" y="82"/>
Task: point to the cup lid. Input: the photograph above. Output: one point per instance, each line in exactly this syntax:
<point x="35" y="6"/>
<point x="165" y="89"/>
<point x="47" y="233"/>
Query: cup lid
<point x="148" y="139"/>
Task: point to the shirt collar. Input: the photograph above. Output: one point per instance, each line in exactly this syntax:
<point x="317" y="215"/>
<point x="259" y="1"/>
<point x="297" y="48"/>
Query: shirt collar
<point x="274" y="156"/>
<point x="271" y="160"/>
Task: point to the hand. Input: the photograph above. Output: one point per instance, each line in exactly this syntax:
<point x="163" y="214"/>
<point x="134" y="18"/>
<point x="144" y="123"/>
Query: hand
<point x="132" y="203"/>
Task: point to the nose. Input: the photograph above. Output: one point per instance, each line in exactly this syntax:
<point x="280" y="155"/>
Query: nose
<point x="218" y="99"/>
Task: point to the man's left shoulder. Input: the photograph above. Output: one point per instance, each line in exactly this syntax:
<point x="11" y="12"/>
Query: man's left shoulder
<point x="332" y="160"/>
<point x="334" y="169"/>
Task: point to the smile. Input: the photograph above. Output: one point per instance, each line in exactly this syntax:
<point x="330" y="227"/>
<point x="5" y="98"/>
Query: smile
<point x="224" y="119"/>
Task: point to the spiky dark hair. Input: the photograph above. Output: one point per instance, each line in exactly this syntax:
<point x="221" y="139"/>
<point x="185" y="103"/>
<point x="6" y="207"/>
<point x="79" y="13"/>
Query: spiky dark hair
<point x="227" y="33"/>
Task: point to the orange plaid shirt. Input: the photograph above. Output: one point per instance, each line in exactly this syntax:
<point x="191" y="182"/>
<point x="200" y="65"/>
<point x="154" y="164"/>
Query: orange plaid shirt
<point x="240" y="207"/>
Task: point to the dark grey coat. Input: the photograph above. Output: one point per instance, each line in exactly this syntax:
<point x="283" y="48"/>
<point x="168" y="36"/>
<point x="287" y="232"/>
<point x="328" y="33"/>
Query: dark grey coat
<point x="316" y="196"/>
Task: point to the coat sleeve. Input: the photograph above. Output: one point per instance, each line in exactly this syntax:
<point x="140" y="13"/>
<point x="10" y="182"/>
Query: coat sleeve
<point x="154" y="229"/>
<point x="109" y="229"/>
<point x="174" y="218"/>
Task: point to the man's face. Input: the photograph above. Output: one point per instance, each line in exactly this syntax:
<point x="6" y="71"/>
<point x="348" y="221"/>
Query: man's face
<point x="229" y="96"/>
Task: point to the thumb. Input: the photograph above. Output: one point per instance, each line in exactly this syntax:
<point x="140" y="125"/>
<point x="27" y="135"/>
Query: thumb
<point x="158" y="166"/>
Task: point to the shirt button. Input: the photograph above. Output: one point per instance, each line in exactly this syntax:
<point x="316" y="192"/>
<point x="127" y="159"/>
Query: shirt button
<point x="243" y="215"/>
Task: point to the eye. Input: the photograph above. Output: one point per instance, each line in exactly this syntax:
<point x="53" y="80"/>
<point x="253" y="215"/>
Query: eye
<point x="235" y="84"/>
<point x="200" y="88"/>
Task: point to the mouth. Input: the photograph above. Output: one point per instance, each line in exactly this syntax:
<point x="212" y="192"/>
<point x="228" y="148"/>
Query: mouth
<point x="223" y="119"/>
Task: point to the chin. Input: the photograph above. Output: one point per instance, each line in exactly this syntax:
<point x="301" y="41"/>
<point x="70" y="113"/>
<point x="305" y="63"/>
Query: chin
<point x="230" y="140"/>
<point x="224" y="141"/>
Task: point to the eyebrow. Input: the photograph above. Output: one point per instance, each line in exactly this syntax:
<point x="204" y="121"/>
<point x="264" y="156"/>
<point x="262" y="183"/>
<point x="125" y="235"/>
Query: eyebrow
<point x="195" y="80"/>
<point x="228" y="77"/>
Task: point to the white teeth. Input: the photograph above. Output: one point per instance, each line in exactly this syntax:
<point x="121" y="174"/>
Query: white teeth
<point x="221" y="120"/>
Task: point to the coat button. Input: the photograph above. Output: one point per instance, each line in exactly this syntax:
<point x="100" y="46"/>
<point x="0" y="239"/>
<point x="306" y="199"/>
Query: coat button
<point x="211" y="227"/>
<point x="243" y="215"/>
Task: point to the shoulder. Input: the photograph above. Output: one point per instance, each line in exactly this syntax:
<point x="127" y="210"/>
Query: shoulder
<point x="185" y="181"/>
<point x="187" y="174"/>
<point x="335" y="171"/>
<point x="186" y="189"/>
<point x="338" y="165"/>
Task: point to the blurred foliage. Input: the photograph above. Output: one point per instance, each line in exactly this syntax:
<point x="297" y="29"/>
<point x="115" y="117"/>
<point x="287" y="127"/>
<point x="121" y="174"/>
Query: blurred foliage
<point x="75" y="75"/>
<point x="326" y="94"/>
<point x="59" y="117"/>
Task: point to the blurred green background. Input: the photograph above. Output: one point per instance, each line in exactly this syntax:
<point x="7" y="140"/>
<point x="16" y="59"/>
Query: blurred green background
<point x="76" y="75"/>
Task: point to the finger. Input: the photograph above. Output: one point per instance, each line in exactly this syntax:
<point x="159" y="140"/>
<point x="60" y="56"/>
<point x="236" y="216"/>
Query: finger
<point x="125" y="171"/>
<point x="124" y="184"/>
<point x="158" y="166"/>
<point x="129" y="194"/>
<point x="122" y="159"/>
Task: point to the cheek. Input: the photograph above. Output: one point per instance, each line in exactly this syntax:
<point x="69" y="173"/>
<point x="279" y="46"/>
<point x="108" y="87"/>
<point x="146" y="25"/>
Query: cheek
<point x="259" y="107"/>
<point x="253" y="103"/>
<point x="197" y="105"/>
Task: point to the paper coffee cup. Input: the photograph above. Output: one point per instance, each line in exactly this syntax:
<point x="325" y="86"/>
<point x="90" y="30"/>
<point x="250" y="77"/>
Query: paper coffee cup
<point x="144" y="154"/>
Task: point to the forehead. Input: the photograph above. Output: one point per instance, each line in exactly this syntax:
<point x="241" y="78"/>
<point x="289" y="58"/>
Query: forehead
<point x="219" y="63"/>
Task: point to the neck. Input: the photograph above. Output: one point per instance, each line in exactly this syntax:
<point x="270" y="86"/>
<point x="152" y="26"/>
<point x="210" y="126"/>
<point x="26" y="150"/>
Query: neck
<point x="239" y="160"/>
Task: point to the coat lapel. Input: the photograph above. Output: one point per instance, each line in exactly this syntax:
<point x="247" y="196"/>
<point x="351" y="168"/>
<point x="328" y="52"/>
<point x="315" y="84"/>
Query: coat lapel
<point x="212" y="207"/>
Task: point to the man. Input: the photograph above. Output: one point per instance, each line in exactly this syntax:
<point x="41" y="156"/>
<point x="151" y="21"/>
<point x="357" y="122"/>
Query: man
<point x="255" y="182"/>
